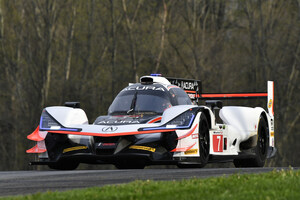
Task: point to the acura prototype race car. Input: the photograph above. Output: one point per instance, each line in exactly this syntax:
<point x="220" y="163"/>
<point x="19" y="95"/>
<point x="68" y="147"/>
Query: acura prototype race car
<point x="158" y="121"/>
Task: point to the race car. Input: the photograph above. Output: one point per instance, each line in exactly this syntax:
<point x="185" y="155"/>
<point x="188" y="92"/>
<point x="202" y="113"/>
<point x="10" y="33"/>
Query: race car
<point x="158" y="121"/>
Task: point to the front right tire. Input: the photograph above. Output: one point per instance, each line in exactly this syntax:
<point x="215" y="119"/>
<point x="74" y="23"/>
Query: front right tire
<point x="204" y="145"/>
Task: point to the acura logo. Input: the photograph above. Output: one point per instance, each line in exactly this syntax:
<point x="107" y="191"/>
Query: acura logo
<point x="110" y="129"/>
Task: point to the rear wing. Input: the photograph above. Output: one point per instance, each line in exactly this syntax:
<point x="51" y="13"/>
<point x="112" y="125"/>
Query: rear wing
<point x="194" y="89"/>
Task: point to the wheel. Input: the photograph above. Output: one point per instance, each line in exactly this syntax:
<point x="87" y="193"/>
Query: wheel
<point x="64" y="165"/>
<point x="130" y="164"/>
<point x="204" y="145"/>
<point x="261" y="148"/>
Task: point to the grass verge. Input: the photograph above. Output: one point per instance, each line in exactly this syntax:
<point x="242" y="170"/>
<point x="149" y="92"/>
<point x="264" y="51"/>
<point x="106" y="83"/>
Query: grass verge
<point x="272" y="185"/>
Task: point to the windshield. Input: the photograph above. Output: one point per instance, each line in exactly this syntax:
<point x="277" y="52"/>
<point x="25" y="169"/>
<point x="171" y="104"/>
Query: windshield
<point x="181" y="97"/>
<point x="140" y="101"/>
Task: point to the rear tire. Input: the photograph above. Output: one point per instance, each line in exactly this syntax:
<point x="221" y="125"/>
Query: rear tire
<point x="64" y="165"/>
<point x="261" y="149"/>
<point x="204" y="145"/>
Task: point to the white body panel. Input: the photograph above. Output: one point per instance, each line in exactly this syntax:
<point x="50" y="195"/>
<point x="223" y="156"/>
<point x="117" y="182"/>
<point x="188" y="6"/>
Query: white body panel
<point x="76" y="118"/>
<point x="67" y="116"/>
<point x="174" y="111"/>
<point x="189" y="145"/>
<point x="224" y="135"/>
<point x="244" y="119"/>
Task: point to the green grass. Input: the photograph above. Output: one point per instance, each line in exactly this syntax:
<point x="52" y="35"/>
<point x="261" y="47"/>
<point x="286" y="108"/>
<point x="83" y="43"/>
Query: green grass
<point x="272" y="185"/>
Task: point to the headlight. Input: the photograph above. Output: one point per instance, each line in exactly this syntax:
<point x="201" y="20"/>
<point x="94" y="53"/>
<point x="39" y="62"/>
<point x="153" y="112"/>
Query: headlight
<point x="183" y="121"/>
<point x="47" y="122"/>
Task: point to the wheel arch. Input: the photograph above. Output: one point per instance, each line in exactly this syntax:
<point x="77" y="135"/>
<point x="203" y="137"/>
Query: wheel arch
<point x="264" y="115"/>
<point x="207" y="114"/>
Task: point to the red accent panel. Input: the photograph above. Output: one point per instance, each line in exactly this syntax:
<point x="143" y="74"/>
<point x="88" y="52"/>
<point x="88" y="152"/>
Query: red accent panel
<point x="36" y="149"/>
<point x="155" y="120"/>
<point x="111" y="134"/>
<point x="172" y="86"/>
<point x="183" y="149"/>
<point x="235" y="95"/>
<point x="35" y="136"/>
<point x="190" y="91"/>
<point x="108" y="144"/>
<point x="188" y="133"/>
<point x="218" y="143"/>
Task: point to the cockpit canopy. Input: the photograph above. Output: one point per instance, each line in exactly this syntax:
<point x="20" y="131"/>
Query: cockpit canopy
<point x="147" y="99"/>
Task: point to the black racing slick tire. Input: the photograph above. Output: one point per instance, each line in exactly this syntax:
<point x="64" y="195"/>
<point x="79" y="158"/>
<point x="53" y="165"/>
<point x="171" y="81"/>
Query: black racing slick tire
<point x="261" y="149"/>
<point x="64" y="165"/>
<point x="204" y="145"/>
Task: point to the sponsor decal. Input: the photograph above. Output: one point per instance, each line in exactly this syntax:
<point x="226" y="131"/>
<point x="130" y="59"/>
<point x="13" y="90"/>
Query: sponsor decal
<point x="191" y="151"/>
<point x="74" y="148"/>
<point x="188" y="85"/>
<point x="272" y="134"/>
<point x="195" y="136"/>
<point x="142" y="87"/>
<point x="270" y="103"/>
<point x="142" y="148"/>
<point x="218" y="143"/>
<point x="119" y="122"/>
<point x="109" y="129"/>
<point x="272" y="125"/>
<point x="218" y="132"/>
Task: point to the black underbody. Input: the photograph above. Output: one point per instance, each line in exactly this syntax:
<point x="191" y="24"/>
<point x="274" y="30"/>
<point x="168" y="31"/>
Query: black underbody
<point x="151" y="148"/>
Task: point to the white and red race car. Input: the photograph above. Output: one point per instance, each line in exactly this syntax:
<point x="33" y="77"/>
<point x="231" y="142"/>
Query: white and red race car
<point x="156" y="122"/>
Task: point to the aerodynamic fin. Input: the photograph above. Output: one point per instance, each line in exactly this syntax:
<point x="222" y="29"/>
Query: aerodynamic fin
<point x="38" y="148"/>
<point x="36" y="135"/>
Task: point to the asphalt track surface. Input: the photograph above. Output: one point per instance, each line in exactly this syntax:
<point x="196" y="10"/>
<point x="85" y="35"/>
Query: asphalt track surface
<point x="29" y="182"/>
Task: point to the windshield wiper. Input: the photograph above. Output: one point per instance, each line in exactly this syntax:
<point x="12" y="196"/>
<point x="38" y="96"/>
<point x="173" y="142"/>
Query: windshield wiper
<point x="132" y="106"/>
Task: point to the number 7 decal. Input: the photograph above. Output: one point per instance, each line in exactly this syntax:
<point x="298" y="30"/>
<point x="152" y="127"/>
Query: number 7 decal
<point x="218" y="143"/>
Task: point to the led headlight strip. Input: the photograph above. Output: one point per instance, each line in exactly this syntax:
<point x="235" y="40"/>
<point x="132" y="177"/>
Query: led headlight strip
<point x="168" y="125"/>
<point x="56" y="127"/>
